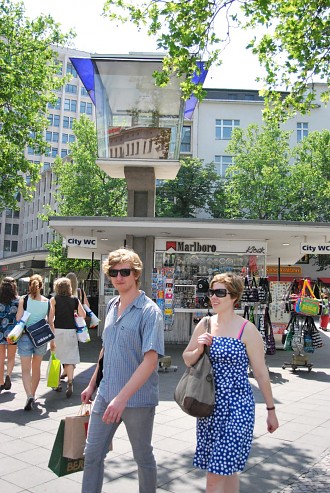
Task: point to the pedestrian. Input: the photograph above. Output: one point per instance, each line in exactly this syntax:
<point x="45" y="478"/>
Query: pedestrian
<point x="324" y="315"/>
<point x="78" y="292"/>
<point x="133" y="338"/>
<point x="224" y="438"/>
<point x="64" y="305"/>
<point x="8" y="309"/>
<point x="31" y="357"/>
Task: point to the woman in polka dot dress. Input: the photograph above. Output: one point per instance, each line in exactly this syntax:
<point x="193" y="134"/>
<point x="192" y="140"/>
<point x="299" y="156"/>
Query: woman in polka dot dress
<point x="224" y="438"/>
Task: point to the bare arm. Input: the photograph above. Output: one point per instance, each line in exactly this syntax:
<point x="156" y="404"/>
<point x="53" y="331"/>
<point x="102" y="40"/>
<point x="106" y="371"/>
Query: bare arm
<point x="81" y="311"/>
<point x="20" y="309"/>
<point x="86" y="395"/>
<point x="140" y="376"/>
<point x="195" y="348"/>
<point x="255" y="349"/>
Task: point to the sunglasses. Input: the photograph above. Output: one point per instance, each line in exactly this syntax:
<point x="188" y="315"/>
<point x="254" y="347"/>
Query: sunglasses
<point x="122" y="272"/>
<point x="219" y="293"/>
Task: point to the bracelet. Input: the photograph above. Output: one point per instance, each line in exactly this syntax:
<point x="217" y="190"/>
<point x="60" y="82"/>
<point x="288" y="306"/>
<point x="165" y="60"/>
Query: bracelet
<point x="270" y="408"/>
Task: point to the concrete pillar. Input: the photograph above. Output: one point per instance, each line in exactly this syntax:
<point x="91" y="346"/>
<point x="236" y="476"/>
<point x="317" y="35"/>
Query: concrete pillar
<point x="141" y="187"/>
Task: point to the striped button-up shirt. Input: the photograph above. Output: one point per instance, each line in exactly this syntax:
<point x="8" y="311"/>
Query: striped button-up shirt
<point x="125" y="340"/>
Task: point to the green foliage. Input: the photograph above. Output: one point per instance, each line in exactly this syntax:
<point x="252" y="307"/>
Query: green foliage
<point x="294" y="49"/>
<point x="28" y="77"/>
<point x="257" y="183"/>
<point x="310" y="179"/>
<point x="191" y="190"/>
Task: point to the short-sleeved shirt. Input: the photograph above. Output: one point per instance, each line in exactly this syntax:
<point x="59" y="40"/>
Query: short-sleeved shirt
<point x="125" y="340"/>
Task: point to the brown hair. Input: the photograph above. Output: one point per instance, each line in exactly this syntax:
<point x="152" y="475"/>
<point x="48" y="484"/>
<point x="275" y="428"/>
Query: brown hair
<point x="8" y="290"/>
<point x="233" y="283"/>
<point x="123" y="255"/>
<point x="35" y="284"/>
<point x="62" y="286"/>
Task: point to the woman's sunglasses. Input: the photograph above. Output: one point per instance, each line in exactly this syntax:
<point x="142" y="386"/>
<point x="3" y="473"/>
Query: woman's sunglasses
<point x="122" y="272"/>
<point x="219" y="293"/>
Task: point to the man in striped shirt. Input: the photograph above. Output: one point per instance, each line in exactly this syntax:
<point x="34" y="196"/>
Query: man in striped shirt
<point x="133" y="339"/>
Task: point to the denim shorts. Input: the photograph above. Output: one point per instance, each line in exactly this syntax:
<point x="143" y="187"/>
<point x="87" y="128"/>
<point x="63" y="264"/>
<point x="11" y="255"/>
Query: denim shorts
<point x="26" y="348"/>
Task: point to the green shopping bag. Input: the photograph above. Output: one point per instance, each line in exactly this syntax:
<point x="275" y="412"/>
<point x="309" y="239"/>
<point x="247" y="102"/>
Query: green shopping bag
<point x="53" y="371"/>
<point x="60" y="465"/>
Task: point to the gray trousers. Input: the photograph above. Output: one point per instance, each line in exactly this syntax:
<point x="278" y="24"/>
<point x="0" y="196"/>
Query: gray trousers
<point x="139" y="424"/>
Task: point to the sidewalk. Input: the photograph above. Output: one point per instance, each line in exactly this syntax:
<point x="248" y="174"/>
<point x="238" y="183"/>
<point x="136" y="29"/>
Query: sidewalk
<point x="295" y="459"/>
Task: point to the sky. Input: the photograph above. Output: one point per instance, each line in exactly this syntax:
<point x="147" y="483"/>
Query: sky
<point x="97" y="34"/>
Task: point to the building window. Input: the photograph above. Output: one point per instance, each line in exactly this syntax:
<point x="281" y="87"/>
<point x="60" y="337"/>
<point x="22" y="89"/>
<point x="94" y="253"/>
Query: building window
<point x="54" y="120"/>
<point x="185" y="139"/>
<point x="64" y="153"/>
<point x="221" y="164"/>
<point x="224" y="128"/>
<point x="52" y="136"/>
<point x="83" y="92"/>
<point x="86" y="108"/>
<point x="70" y="105"/>
<point x="71" y="88"/>
<point x="71" y="70"/>
<point x="10" y="246"/>
<point x="68" y="122"/>
<point x="56" y="106"/>
<point x="302" y="131"/>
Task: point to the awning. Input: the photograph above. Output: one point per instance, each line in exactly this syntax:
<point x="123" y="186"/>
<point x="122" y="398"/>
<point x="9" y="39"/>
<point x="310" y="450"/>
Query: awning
<point x="325" y="280"/>
<point x="20" y="273"/>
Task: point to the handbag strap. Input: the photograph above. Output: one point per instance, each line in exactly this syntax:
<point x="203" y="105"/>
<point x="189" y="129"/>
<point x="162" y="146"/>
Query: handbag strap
<point x="207" y="324"/>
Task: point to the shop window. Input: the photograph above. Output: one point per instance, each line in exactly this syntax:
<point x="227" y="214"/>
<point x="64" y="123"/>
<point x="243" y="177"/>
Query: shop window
<point x="302" y="131"/>
<point x="224" y="128"/>
<point x="221" y="164"/>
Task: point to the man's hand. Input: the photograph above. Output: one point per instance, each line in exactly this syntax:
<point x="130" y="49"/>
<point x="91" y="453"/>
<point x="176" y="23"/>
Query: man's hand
<point x="114" y="411"/>
<point x="86" y="395"/>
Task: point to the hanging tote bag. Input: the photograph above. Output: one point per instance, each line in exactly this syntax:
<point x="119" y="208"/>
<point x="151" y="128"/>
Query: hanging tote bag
<point x="269" y="334"/>
<point x="81" y="328"/>
<point x="53" y="371"/>
<point x="195" y="392"/>
<point x="59" y="464"/>
<point x="75" y="433"/>
<point x="307" y="305"/>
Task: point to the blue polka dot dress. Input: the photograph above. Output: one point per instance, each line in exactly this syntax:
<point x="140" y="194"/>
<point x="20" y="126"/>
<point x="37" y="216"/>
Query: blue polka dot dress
<point x="224" y="438"/>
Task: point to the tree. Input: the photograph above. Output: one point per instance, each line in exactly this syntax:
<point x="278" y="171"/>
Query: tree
<point x="257" y="185"/>
<point x="310" y="178"/>
<point x="191" y="190"/>
<point x="29" y="74"/>
<point x="83" y="190"/>
<point x="293" y="49"/>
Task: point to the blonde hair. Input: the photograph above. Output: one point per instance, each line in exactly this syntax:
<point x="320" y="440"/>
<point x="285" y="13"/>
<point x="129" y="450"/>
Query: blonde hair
<point x="74" y="282"/>
<point x="35" y="285"/>
<point x="123" y="255"/>
<point x="233" y="283"/>
<point x="62" y="286"/>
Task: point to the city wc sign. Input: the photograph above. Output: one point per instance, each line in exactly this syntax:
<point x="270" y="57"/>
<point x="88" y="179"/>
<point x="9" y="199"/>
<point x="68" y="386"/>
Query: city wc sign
<point x="80" y="241"/>
<point x="315" y="248"/>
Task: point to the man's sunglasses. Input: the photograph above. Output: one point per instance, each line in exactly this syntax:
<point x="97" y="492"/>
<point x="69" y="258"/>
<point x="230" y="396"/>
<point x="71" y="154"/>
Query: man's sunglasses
<point x="122" y="272"/>
<point x="219" y="293"/>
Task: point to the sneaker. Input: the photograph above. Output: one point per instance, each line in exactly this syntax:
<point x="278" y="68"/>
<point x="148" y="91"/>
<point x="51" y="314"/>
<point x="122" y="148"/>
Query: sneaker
<point x="69" y="389"/>
<point x="7" y="384"/>
<point x="28" y="405"/>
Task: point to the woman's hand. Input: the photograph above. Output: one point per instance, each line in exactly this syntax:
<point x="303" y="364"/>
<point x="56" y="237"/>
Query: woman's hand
<point x="204" y="339"/>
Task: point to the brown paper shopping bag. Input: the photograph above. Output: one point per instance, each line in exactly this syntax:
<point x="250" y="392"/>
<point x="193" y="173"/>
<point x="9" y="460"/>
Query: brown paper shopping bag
<point x="75" y="433"/>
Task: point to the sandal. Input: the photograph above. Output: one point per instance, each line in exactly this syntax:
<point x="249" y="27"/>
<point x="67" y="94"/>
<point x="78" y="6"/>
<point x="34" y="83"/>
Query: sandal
<point x="57" y="389"/>
<point x="69" y="389"/>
